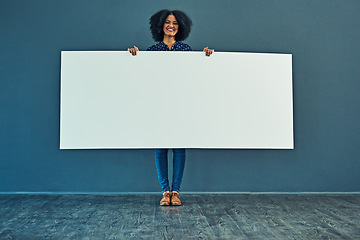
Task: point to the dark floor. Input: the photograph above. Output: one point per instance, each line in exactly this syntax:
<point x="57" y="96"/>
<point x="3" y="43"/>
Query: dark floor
<point x="200" y="217"/>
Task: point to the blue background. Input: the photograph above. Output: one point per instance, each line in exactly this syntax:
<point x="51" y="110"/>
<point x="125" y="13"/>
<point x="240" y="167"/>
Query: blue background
<point x="323" y="36"/>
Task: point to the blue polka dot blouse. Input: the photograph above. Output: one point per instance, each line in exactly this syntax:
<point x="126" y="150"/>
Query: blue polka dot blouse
<point x="178" y="46"/>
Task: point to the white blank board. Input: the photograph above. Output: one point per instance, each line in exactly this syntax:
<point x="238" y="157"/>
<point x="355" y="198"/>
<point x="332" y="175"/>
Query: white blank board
<point x="111" y="99"/>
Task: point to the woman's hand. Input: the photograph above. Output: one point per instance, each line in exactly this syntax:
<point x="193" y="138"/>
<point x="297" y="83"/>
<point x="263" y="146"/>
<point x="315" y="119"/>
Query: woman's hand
<point x="133" y="51"/>
<point x="208" y="51"/>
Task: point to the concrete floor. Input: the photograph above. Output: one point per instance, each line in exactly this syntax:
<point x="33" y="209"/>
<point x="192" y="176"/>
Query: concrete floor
<point x="200" y="217"/>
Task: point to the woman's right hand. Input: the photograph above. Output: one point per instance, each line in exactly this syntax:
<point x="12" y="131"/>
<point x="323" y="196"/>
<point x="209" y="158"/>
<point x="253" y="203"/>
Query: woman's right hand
<point x="133" y="51"/>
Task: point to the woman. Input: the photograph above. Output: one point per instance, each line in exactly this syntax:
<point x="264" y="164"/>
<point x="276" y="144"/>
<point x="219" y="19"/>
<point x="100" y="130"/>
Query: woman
<point x="169" y="28"/>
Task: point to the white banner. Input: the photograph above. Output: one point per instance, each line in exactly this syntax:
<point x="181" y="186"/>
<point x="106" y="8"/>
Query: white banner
<point x="176" y="100"/>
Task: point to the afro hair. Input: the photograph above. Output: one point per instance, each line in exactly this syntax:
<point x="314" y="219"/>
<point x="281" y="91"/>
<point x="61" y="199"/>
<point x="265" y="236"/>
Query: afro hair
<point x="158" y="19"/>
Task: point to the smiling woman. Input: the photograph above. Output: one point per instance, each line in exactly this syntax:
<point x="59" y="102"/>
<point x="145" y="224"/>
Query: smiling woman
<point x="173" y="24"/>
<point x="169" y="28"/>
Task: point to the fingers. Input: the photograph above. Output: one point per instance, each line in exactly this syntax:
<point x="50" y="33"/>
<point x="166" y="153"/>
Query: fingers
<point x="208" y="51"/>
<point x="133" y="51"/>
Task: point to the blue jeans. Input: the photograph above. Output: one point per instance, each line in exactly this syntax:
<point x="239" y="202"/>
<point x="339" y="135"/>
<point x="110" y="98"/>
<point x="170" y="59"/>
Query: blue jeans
<point x="161" y="160"/>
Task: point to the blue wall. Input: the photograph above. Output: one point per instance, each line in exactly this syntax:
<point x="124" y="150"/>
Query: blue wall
<point x="323" y="37"/>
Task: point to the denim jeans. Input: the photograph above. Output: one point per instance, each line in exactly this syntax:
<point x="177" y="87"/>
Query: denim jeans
<point x="161" y="160"/>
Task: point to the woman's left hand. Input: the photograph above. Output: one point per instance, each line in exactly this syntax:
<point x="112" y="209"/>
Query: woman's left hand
<point x="208" y="51"/>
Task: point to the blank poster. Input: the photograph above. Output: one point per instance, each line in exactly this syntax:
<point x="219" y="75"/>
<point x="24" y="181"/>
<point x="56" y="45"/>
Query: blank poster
<point x="111" y="99"/>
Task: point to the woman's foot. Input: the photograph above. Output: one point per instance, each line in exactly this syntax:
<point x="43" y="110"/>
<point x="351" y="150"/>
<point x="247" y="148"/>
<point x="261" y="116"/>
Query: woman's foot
<point x="165" y="201"/>
<point x="175" y="198"/>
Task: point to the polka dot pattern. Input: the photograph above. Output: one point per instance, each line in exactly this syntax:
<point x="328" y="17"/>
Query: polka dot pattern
<point x="178" y="46"/>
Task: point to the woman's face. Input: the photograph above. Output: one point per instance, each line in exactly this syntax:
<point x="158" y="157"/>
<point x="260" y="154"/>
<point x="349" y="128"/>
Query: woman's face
<point x="171" y="26"/>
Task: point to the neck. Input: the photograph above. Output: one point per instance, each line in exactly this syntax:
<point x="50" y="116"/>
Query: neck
<point x="169" y="41"/>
